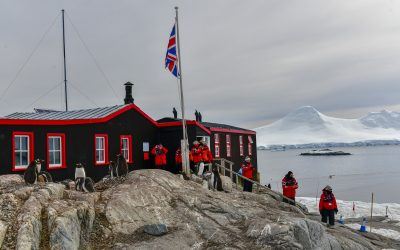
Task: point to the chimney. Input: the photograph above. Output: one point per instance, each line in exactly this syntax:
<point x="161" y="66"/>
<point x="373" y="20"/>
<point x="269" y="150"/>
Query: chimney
<point x="200" y="117"/>
<point x="175" y="113"/>
<point x="128" y="93"/>
<point x="196" y="114"/>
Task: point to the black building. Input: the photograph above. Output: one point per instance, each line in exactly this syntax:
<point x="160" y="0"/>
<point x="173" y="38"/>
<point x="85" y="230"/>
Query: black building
<point x="95" y="136"/>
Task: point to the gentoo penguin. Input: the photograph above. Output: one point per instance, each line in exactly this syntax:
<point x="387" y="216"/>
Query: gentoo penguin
<point x="83" y="183"/>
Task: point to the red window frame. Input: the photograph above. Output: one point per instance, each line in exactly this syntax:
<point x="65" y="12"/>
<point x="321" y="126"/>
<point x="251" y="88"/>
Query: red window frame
<point x="249" y="145"/>
<point x="228" y="145"/>
<point x="216" y="146"/>
<point x="106" y="159"/>
<point x="31" y="153"/>
<point x="63" y="151"/>
<point x="241" y="151"/>
<point x="130" y="149"/>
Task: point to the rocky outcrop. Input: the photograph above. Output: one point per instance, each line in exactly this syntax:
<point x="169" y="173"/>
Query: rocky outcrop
<point x="153" y="209"/>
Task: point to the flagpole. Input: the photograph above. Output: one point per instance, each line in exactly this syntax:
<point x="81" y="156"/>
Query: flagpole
<point x="185" y="150"/>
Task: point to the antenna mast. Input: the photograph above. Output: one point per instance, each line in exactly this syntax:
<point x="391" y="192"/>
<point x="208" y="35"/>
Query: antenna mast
<point x="65" y="64"/>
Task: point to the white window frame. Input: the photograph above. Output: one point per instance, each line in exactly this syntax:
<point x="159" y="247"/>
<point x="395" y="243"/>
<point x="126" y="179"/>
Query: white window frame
<point x="55" y="150"/>
<point x="216" y="145"/>
<point x="228" y="146"/>
<point x="27" y="151"/>
<point x="98" y="149"/>
<point x="241" y="151"/>
<point x="126" y="150"/>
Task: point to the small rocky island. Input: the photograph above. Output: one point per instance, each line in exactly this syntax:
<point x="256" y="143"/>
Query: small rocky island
<point x="154" y="209"/>
<point x="324" y="152"/>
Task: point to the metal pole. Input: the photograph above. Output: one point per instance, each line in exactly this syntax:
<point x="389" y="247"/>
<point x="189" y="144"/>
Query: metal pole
<point x="65" y="64"/>
<point x="372" y="207"/>
<point x="185" y="157"/>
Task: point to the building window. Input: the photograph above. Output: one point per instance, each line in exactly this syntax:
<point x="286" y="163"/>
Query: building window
<point x="101" y="149"/>
<point x="250" y="144"/>
<point x="126" y="147"/>
<point x="56" y="157"/>
<point x="216" y="144"/>
<point x="241" y="145"/>
<point x="23" y="151"/>
<point x="228" y="145"/>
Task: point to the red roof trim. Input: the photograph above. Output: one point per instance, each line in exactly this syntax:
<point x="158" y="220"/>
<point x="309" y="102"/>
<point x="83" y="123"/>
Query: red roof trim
<point x="7" y="121"/>
<point x="233" y="131"/>
<point x="179" y="123"/>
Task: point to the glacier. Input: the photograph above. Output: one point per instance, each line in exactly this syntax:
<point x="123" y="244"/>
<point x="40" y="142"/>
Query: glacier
<point x="306" y="127"/>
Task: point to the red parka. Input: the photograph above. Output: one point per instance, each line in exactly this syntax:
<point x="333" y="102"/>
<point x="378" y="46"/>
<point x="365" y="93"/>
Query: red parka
<point x="197" y="154"/>
<point x="327" y="201"/>
<point x="206" y="154"/>
<point x="289" y="186"/>
<point x="247" y="170"/>
<point x="160" y="155"/>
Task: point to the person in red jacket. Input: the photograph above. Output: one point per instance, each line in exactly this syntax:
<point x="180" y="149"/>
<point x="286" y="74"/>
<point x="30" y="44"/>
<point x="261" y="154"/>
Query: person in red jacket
<point x="206" y="156"/>
<point x="289" y="186"/>
<point x="247" y="171"/>
<point x="160" y="155"/>
<point x="197" y="156"/>
<point x="327" y="206"/>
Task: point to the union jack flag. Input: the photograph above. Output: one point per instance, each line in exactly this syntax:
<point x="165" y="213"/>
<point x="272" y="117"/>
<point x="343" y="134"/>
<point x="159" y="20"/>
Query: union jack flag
<point x="171" y="59"/>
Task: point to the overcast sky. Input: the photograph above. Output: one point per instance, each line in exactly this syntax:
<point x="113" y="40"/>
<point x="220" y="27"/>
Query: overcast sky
<point x="245" y="63"/>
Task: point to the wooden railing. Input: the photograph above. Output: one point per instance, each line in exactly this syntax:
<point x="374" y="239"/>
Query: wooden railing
<point x="222" y="163"/>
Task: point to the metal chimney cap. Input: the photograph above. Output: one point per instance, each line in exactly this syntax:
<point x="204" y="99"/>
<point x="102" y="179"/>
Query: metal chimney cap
<point x="128" y="84"/>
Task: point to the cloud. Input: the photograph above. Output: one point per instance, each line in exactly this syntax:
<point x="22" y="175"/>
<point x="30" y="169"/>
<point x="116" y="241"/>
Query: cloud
<point x="244" y="63"/>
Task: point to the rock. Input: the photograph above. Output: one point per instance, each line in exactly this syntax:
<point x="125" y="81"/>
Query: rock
<point x="30" y="225"/>
<point x="70" y="223"/>
<point x="226" y="183"/>
<point x="155" y="229"/>
<point x="127" y="212"/>
<point x="24" y="192"/>
<point x="10" y="179"/>
<point x="3" y="230"/>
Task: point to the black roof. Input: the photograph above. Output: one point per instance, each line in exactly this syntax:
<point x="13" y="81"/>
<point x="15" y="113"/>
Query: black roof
<point x="41" y="114"/>
<point x="205" y="124"/>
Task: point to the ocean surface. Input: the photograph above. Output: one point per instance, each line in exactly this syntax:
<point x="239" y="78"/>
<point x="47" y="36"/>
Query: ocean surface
<point x="353" y="178"/>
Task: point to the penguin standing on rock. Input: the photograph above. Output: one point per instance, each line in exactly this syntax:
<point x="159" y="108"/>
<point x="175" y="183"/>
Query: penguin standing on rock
<point x="34" y="173"/>
<point x="83" y="183"/>
<point x="122" y="166"/>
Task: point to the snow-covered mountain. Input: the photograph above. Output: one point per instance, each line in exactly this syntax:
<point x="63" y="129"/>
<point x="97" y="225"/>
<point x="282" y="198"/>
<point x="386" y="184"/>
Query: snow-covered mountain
<point x="308" y="126"/>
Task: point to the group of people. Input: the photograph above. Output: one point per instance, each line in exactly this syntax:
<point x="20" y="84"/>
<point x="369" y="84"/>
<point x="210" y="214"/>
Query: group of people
<point x="327" y="203"/>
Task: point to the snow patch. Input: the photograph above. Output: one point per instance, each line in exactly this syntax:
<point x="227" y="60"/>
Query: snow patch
<point x="362" y="209"/>
<point x="392" y="234"/>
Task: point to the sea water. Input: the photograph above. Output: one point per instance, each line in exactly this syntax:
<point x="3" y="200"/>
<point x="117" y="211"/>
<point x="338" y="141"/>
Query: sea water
<point x="353" y="178"/>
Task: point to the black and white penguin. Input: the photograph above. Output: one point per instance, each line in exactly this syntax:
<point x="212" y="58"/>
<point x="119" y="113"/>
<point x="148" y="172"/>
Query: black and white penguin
<point x="34" y="173"/>
<point x="31" y="173"/>
<point x="122" y="166"/>
<point x="83" y="183"/>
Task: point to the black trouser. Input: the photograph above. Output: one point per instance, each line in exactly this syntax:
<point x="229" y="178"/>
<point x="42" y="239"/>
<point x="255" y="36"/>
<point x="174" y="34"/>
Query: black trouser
<point x="247" y="186"/>
<point x="325" y="214"/>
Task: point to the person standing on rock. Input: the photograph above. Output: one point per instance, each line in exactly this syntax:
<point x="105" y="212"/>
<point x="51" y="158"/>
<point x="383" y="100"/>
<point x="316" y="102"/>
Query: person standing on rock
<point x="289" y="186"/>
<point x="327" y="206"/>
<point x="247" y="171"/>
<point x="160" y="156"/>
<point x="197" y="156"/>
<point x="206" y="156"/>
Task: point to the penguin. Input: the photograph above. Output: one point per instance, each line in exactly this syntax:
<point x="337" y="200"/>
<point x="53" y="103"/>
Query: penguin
<point x="31" y="173"/>
<point x="122" y="166"/>
<point x="34" y="174"/>
<point x="83" y="183"/>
